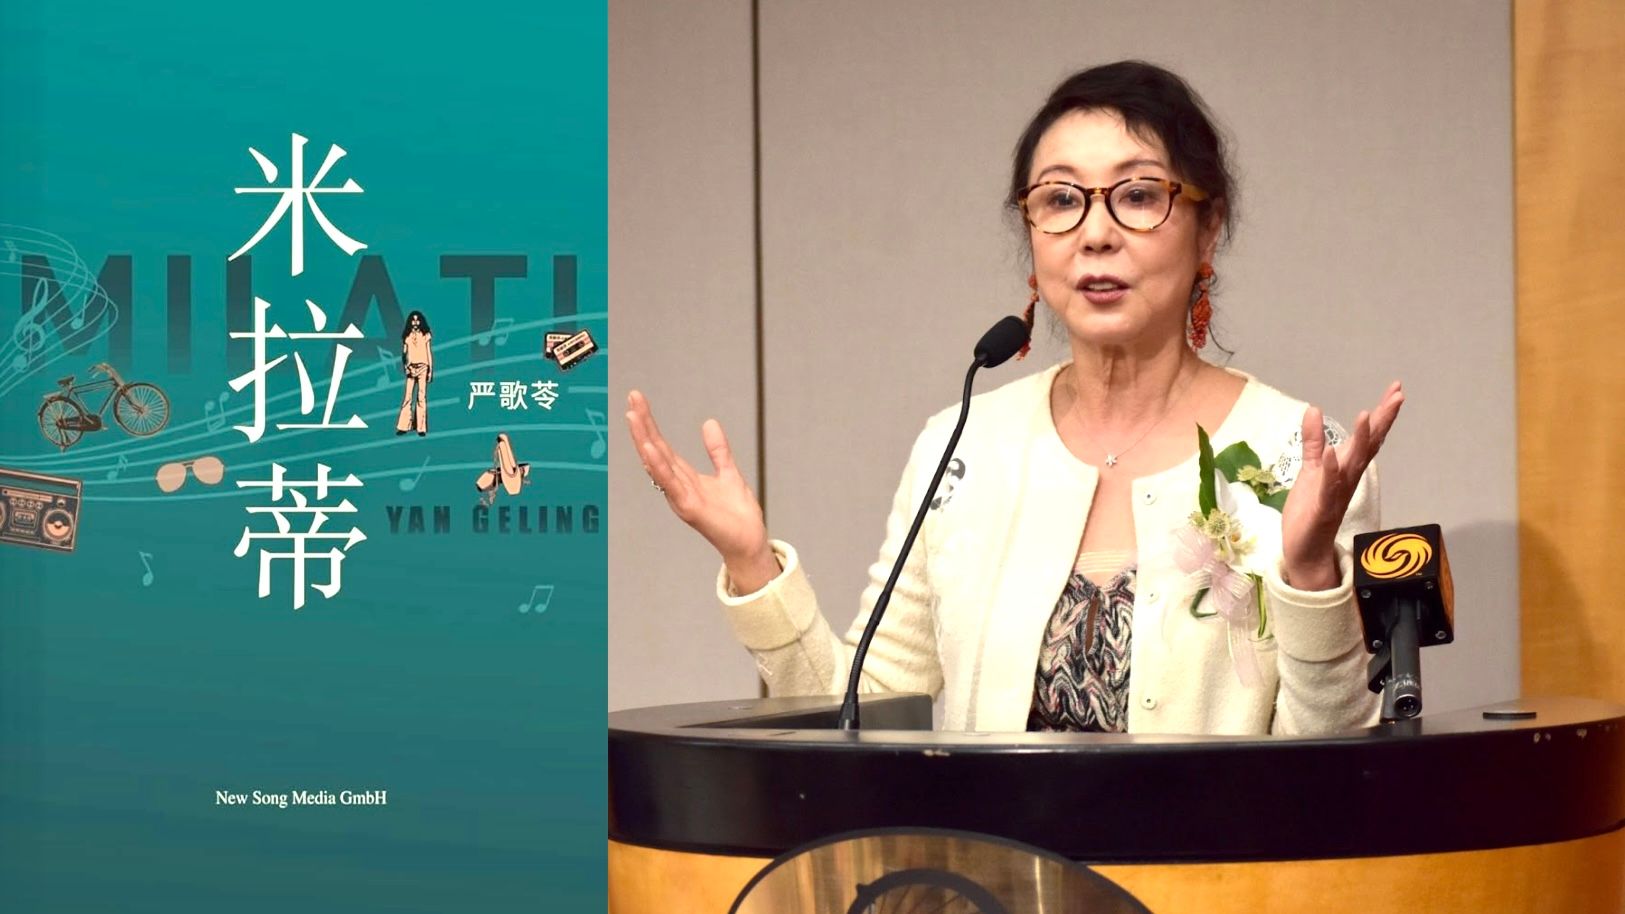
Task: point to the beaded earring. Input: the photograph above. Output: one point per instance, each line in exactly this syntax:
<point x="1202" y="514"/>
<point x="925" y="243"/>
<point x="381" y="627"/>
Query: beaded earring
<point x="1202" y="309"/>
<point x="1027" y="315"/>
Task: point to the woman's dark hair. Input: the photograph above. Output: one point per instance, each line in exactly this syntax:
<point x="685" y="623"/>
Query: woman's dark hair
<point x="1155" y="104"/>
<point x="406" y="328"/>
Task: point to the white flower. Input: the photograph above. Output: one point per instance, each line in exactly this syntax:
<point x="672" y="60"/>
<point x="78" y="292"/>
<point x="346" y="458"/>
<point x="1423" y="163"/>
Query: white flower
<point x="1224" y="554"/>
<point x="1259" y="526"/>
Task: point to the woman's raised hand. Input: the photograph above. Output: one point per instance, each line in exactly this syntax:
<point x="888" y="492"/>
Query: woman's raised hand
<point x="1320" y="497"/>
<point x="721" y="507"/>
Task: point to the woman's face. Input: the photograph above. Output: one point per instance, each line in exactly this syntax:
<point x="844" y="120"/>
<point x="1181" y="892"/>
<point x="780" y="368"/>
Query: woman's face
<point x="1150" y="273"/>
<point x="416" y="322"/>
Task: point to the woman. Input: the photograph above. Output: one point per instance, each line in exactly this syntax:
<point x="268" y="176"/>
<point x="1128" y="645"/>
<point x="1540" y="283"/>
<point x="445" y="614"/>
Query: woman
<point x="417" y="364"/>
<point x="1075" y="579"/>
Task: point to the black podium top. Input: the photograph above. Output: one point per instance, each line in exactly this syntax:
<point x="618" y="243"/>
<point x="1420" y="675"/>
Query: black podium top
<point x="763" y="776"/>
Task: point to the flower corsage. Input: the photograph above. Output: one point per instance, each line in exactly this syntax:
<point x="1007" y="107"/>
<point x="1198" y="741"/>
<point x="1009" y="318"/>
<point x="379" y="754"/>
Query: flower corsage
<point x="1227" y="544"/>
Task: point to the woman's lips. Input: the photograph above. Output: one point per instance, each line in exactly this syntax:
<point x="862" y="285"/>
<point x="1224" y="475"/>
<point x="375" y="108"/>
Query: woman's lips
<point x="1106" y="297"/>
<point x="1101" y="288"/>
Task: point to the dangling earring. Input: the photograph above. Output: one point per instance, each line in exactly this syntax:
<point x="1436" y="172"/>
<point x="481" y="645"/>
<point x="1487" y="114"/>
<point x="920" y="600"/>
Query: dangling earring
<point x="1027" y="316"/>
<point x="1202" y="310"/>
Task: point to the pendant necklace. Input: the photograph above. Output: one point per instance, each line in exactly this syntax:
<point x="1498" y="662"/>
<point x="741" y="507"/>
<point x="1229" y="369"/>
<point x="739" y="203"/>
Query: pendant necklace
<point x="1111" y="457"/>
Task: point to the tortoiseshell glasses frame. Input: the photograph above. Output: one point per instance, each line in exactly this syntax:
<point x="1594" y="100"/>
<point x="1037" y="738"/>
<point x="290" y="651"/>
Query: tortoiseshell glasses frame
<point x="1147" y="202"/>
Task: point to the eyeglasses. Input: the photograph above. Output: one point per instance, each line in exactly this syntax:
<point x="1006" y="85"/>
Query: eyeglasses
<point x="1137" y="204"/>
<point x="208" y="470"/>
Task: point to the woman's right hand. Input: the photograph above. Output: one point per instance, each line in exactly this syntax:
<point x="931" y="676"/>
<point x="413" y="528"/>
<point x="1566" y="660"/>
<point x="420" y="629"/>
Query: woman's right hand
<point x="721" y="507"/>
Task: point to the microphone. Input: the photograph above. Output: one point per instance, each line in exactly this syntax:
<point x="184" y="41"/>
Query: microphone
<point x="1003" y="340"/>
<point x="1407" y="602"/>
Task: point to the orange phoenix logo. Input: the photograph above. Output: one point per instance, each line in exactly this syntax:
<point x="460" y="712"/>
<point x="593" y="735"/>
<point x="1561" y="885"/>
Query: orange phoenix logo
<point x="1397" y="555"/>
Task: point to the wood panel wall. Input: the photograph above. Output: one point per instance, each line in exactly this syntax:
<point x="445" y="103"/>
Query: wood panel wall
<point x="1569" y="124"/>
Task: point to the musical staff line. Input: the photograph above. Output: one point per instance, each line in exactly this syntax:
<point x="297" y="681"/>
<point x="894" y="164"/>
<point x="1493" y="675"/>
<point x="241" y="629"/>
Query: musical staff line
<point x="89" y="456"/>
<point x="536" y="466"/>
<point x="368" y="445"/>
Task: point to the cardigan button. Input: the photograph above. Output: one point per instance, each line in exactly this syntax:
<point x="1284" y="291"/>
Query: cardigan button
<point x="1148" y="703"/>
<point x="1149" y="498"/>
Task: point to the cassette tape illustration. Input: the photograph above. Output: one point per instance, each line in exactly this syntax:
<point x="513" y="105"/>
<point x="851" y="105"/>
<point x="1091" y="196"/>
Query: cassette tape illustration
<point x="573" y="350"/>
<point x="38" y="510"/>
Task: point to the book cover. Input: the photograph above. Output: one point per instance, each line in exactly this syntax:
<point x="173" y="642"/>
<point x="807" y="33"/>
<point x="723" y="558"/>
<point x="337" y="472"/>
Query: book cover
<point x="303" y="361"/>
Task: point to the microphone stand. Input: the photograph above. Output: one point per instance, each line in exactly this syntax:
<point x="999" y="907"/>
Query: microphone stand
<point x="849" y="705"/>
<point x="1398" y="664"/>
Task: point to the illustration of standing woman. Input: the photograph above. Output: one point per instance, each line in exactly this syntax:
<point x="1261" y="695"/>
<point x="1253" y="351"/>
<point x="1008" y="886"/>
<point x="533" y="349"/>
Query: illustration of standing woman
<point x="417" y="363"/>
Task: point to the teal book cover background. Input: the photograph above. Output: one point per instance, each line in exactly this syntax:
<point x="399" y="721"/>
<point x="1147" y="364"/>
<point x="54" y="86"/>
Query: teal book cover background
<point x="424" y="732"/>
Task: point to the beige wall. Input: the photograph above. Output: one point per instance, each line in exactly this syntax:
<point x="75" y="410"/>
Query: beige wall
<point x="681" y="286"/>
<point x="1374" y="148"/>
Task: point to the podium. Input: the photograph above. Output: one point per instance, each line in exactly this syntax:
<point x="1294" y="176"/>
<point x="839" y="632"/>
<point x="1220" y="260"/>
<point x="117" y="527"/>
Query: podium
<point x="762" y="806"/>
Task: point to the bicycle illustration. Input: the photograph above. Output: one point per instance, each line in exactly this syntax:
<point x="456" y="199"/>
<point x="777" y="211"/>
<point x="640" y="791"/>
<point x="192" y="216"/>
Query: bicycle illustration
<point x="139" y="408"/>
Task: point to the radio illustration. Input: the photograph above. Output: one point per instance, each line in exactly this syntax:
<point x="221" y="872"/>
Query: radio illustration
<point x="38" y="510"/>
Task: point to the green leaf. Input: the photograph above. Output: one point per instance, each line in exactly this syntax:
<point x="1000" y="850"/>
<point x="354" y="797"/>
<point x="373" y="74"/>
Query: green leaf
<point x="1207" y="497"/>
<point x="1197" y="601"/>
<point x="1276" y="501"/>
<point x="1230" y="460"/>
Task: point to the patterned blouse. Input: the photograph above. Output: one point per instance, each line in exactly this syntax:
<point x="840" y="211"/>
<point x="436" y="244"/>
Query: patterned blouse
<point x="1083" y="664"/>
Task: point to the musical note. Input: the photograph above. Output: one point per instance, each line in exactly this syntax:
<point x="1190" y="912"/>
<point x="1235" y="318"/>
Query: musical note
<point x="78" y="322"/>
<point x="214" y="412"/>
<point x="527" y="606"/>
<point x="42" y="297"/>
<point x="146" y="579"/>
<point x="484" y="337"/>
<point x="65" y="314"/>
<point x="384" y="380"/>
<point x="28" y="335"/>
<point x="597" y="419"/>
<point x="408" y="485"/>
<point x="123" y="462"/>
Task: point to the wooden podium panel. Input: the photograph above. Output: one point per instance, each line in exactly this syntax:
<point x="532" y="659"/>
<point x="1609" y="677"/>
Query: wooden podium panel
<point x="1585" y="876"/>
<point x="761" y="806"/>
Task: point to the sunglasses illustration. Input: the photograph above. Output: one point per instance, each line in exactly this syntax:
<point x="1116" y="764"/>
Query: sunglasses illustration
<point x="208" y="470"/>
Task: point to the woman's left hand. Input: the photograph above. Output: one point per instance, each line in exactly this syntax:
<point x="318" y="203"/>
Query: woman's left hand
<point x="1320" y="497"/>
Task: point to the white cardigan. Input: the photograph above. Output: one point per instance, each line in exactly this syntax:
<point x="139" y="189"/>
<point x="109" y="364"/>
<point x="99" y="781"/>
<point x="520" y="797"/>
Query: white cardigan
<point x="967" y="618"/>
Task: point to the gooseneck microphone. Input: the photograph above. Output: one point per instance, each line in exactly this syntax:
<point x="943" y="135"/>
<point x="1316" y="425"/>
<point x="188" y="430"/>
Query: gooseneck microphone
<point x="1003" y="340"/>
<point x="1000" y="342"/>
